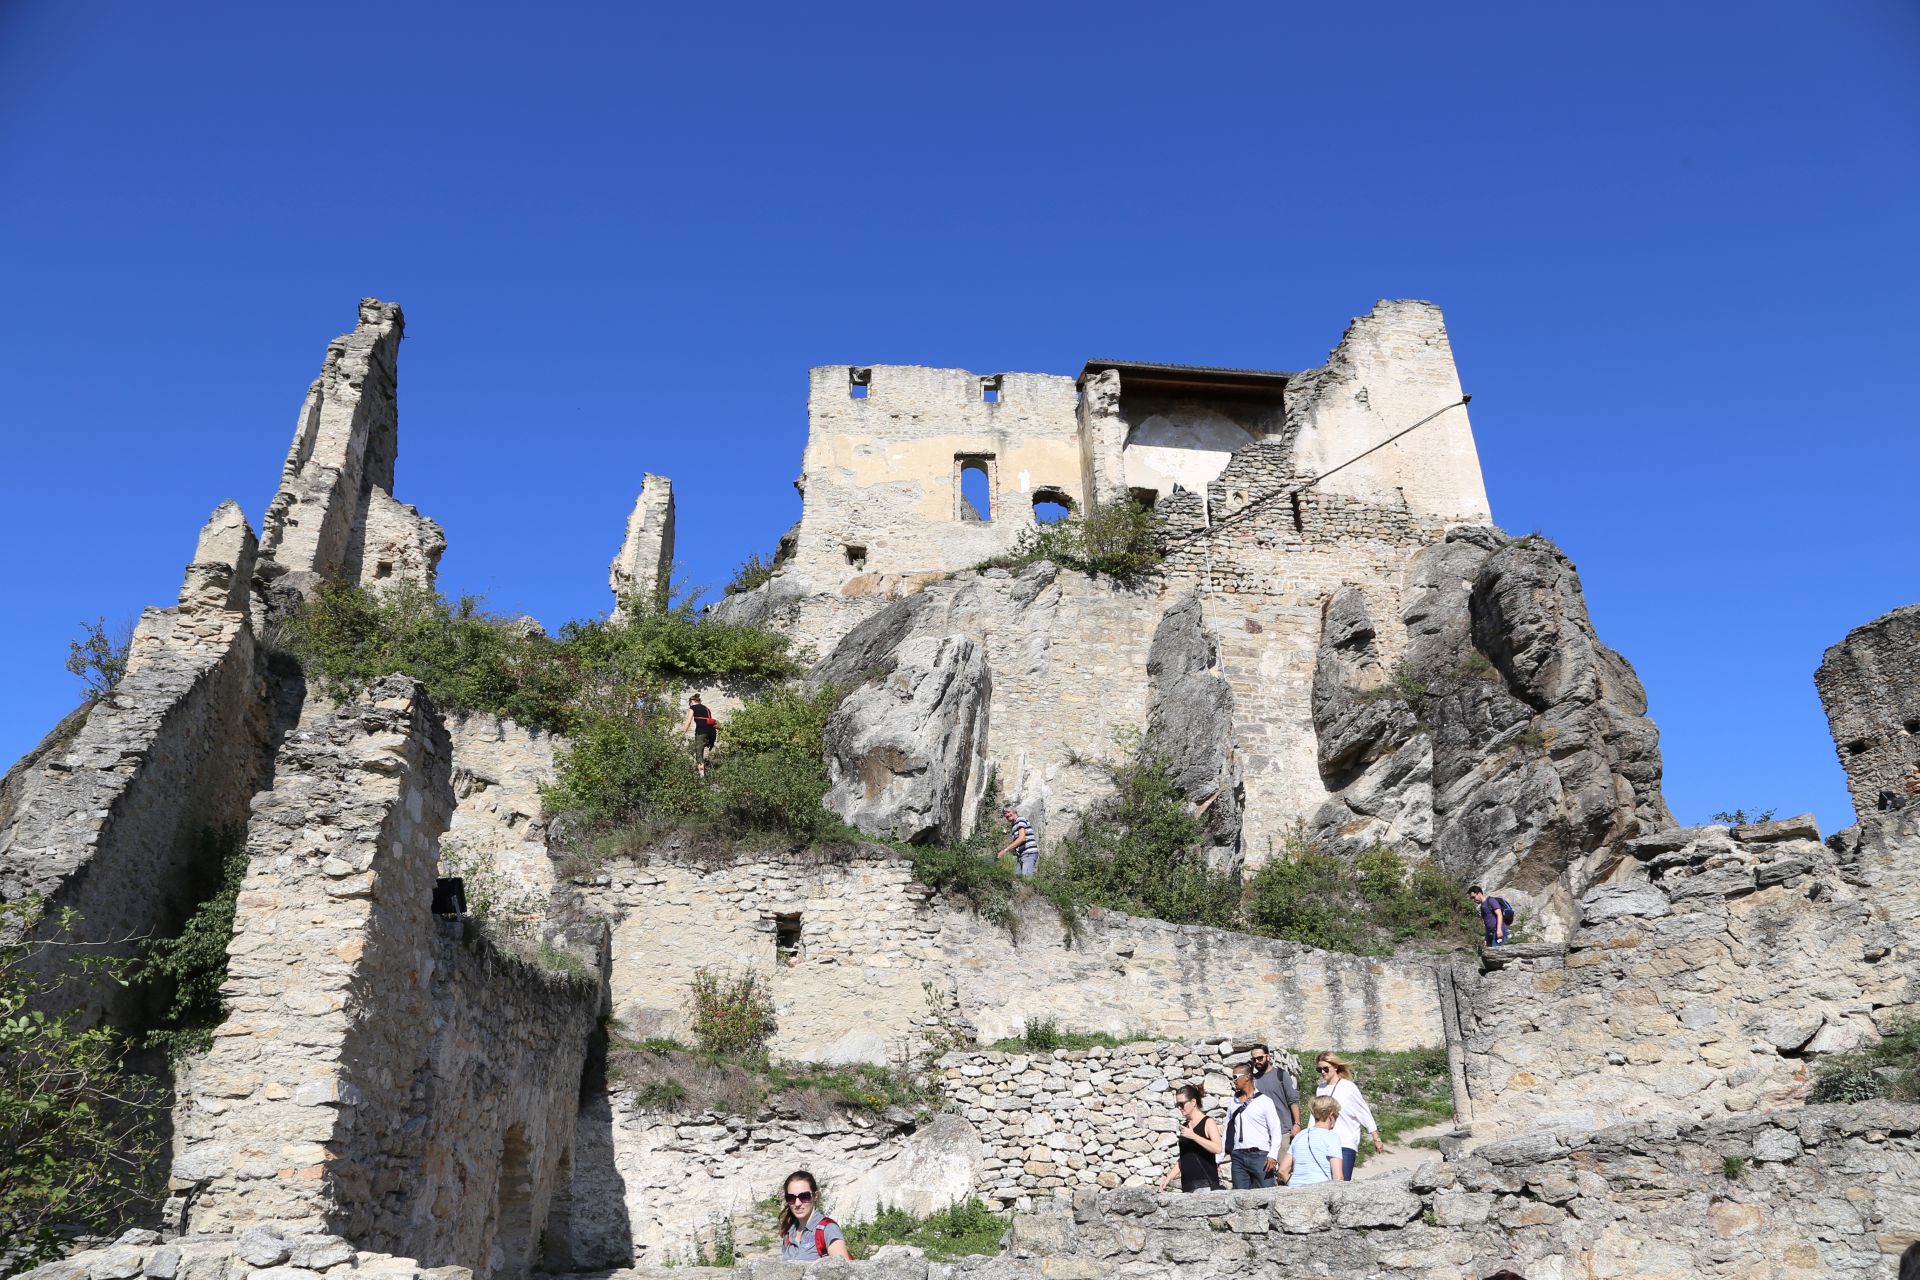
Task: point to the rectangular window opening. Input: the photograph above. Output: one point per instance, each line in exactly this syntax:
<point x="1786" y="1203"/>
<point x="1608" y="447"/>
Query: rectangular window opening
<point x="1299" y="526"/>
<point x="859" y="382"/>
<point x="786" y="938"/>
<point x="856" y="556"/>
<point x="990" y="389"/>
<point x="1144" y="497"/>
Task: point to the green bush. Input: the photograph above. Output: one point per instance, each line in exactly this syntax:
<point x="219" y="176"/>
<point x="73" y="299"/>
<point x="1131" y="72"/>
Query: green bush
<point x="771" y="775"/>
<point x="1041" y="1035"/>
<point x="79" y="1132"/>
<point x="1139" y="851"/>
<point x="1122" y="541"/>
<point x="346" y="637"/>
<point x="1889" y="1069"/>
<point x="752" y="572"/>
<point x="190" y="967"/>
<point x="674" y="643"/>
<point x="963" y="1230"/>
<point x="1369" y="904"/>
<point x="629" y="771"/>
<point x="732" y="1013"/>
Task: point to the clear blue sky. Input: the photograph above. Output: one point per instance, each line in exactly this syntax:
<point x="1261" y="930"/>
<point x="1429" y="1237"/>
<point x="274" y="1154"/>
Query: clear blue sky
<point x="1675" y="244"/>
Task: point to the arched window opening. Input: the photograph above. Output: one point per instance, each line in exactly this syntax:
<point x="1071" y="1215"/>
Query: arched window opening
<point x="1051" y="505"/>
<point x="976" y="488"/>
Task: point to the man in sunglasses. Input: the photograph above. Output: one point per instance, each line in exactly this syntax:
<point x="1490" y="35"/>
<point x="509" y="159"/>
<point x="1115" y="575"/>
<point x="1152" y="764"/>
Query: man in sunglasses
<point x="1277" y="1083"/>
<point x="1254" y="1130"/>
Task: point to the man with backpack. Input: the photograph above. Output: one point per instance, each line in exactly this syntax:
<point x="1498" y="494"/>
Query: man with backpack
<point x="1495" y="913"/>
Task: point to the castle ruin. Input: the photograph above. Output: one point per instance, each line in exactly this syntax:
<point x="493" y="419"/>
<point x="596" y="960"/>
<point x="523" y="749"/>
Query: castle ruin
<point x="1338" y="646"/>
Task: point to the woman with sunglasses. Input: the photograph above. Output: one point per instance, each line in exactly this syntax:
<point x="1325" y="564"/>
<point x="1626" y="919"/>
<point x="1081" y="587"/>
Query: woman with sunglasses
<point x="1336" y="1082"/>
<point x="805" y="1229"/>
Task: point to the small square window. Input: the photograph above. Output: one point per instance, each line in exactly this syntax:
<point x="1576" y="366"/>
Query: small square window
<point x="786" y="938"/>
<point x="856" y="556"/>
<point x="990" y="389"/>
<point x="859" y="382"/>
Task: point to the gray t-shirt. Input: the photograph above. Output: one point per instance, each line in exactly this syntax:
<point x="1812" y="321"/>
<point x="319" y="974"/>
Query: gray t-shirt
<point x="1279" y="1086"/>
<point x="805" y="1242"/>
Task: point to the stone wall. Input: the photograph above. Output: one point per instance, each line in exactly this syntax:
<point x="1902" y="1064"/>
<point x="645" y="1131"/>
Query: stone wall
<point x="378" y="1075"/>
<point x="650" y="1187"/>
<point x="1700" y="986"/>
<point x="882" y="472"/>
<point x="1820" y="1191"/>
<point x="1055" y="1122"/>
<point x="113" y="823"/>
<point x="499" y="767"/>
<point x="872" y="940"/>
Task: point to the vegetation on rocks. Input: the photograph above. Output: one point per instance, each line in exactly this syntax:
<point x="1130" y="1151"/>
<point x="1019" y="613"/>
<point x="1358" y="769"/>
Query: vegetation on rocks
<point x="1889" y="1069"/>
<point x="78" y="1127"/>
<point x="1121" y="541"/>
<point x="188" y="968"/>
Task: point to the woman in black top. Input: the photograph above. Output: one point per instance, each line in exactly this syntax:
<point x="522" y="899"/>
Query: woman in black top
<point x="1199" y="1161"/>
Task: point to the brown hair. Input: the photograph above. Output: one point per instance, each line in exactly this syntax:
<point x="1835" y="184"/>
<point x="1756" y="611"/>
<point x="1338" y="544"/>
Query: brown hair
<point x="1338" y="1063"/>
<point x="1192" y="1089"/>
<point x="1324" y="1108"/>
<point x="787" y="1221"/>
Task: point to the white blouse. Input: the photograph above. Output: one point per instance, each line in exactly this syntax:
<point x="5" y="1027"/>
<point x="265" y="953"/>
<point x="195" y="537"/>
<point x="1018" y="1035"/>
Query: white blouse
<point x="1356" y="1117"/>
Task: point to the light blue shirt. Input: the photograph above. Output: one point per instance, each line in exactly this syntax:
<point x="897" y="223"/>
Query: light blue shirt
<point x="1314" y="1152"/>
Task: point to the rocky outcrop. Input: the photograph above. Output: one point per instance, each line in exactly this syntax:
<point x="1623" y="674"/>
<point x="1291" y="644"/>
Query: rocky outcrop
<point x="645" y="562"/>
<point x="335" y="516"/>
<point x="1870" y="685"/>
<point x="1190" y="725"/>
<point x="1493" y="732"/>
<point x="1699" y="981"/>
<point x="906" y="750"/>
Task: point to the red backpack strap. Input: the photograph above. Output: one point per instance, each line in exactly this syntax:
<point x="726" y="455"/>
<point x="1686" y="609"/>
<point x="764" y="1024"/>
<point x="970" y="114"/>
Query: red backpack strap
<point x="820" y="1237"/>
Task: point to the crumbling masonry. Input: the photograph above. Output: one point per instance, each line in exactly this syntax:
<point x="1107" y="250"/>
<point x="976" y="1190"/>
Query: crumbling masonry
<point x="1339" y="648"/>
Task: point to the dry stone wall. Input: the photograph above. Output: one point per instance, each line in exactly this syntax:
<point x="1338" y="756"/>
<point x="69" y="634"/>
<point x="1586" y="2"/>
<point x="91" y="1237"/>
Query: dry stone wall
<point x="1055" y="1122"/>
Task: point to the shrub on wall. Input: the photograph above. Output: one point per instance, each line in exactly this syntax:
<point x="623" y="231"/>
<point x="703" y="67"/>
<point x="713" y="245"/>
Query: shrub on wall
<point x="1121" y="541"/>
<point x="190" y="967"/>
<point x="732" y="1012"/>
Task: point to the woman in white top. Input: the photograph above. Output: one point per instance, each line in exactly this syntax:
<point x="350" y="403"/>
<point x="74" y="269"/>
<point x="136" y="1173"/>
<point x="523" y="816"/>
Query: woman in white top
<point x="1356" y="1117"/>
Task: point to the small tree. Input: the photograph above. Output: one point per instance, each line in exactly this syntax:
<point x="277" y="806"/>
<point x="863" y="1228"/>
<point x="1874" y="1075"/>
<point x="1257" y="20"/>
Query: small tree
<point x="97" y="658"/>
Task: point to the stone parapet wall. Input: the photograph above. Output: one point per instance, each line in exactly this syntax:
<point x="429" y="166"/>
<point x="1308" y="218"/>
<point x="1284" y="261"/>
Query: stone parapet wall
<point x="499" y="767"/>
<point x="1702" y="985"/>
<point x="1055" y="1122"/>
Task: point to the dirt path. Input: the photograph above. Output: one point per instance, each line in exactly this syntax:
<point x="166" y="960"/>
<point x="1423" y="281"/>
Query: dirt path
<point x="1401" y="1157"/>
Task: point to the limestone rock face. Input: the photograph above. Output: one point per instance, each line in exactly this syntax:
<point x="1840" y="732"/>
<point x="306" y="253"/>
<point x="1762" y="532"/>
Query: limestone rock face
<point x="1190" y="724"/>
<point x="1870" y="685"/>
<point x="906" y="752"/>
<point x="1506" y="741"/>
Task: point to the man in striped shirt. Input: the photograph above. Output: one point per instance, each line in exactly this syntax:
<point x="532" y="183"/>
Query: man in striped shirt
<point x="1024" y="846"/>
